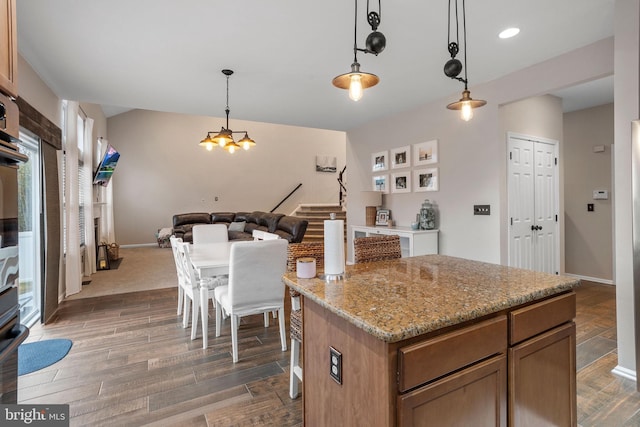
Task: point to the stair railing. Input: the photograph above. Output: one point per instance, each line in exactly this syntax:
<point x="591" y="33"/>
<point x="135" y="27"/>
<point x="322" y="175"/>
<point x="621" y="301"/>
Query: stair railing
<point x="343" y="189"/>
<point x="286" y="197"/>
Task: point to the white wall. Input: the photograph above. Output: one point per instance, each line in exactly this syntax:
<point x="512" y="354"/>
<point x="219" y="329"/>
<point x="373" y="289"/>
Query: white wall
<point x="35" y="91"/>
<point x="588" y="235"/>
<point x="163" y="171"/>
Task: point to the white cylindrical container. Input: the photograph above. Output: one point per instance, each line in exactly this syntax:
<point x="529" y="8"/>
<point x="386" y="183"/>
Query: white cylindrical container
<point x="333" y="248"/>
<point x="306" y="268"/>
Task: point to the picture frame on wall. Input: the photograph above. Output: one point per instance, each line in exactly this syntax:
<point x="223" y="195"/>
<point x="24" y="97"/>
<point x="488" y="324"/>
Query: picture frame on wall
<point x="380" y="183"/>
<point x="425" y="153"/>
<point x="400" y="157"/>
<point x="380" y="161"/>
<point x="401" y="182"/>
<point x="425" y="179"/>
<point x="383" y="216"/>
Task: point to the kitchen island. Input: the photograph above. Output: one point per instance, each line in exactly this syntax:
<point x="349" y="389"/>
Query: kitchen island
<point x="437" y="340"/>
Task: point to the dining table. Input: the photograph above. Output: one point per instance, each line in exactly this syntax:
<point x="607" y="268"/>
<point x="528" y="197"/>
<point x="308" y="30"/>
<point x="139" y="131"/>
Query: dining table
<point x="211" y="259"/>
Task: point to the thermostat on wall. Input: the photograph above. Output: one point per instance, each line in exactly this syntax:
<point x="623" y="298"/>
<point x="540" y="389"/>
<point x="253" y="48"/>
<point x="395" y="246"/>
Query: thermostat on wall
<point x="600" y="195"/>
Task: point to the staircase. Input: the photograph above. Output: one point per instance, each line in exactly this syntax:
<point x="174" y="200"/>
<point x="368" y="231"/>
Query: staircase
<point x="316" y="215"/>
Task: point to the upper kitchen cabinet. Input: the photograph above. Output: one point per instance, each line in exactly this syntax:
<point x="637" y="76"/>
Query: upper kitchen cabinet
<point x="8" y="48"/>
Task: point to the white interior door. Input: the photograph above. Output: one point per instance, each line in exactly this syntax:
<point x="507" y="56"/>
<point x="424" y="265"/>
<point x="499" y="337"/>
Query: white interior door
<point x="533" y="204"/>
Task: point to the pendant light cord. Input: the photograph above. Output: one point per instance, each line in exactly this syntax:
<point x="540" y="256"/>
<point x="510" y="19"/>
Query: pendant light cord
<point x="227" y="109"/>
<point x="355" y="32"/>
<point x="464" y="33"/>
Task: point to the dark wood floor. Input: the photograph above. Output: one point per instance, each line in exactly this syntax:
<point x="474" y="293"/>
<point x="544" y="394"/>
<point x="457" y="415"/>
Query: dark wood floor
<point x="132" y="364"/>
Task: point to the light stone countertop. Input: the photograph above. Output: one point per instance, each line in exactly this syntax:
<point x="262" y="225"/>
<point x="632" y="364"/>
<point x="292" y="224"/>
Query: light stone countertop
<point x="399" y="299"/>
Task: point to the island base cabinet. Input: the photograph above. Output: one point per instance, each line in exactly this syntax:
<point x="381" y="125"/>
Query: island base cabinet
<point x="542" y="381"/>
<point x="475" y="396"/>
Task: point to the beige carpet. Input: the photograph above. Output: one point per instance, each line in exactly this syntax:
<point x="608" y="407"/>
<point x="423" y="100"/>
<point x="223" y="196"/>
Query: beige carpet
<point x="142" y="268"/>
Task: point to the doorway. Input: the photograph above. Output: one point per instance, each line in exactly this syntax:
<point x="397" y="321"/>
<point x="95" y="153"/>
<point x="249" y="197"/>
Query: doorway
<point x="29" y="230"/>
<point x="533" y="192"/>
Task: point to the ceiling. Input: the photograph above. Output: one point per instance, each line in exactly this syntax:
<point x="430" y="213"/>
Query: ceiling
<point x="167" y="56"/>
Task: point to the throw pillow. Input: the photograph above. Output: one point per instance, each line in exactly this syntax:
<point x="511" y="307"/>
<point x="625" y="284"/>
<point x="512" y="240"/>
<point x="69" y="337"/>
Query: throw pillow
<point x="237" y="226"/>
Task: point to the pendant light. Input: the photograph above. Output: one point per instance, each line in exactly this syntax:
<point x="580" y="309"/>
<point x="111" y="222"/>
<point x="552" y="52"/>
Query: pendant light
<point x="224" y="138"/>
<point x="453" y="67"/>
<point x="356" y="81"/>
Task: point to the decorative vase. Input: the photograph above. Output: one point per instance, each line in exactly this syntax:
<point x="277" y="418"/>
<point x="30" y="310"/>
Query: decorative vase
<point x="427" y="216"/>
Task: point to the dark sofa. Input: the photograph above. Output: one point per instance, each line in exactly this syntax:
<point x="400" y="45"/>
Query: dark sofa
<point x="242" y="224"/>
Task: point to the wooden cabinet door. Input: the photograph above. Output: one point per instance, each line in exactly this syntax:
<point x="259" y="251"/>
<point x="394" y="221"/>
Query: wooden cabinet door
<point x="542" y="379"/>
<point x="8" y="48"/>
<point x="475" y="396"/>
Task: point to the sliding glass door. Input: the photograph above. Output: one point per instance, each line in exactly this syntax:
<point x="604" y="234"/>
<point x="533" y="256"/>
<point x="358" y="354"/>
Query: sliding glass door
<point x="29" y="230"/>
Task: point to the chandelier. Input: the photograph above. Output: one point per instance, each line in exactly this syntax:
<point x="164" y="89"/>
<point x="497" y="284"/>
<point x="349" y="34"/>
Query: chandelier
<point x="453" y="67"/>
<point x="224" y="138"/>
<point x="356" y="81"/>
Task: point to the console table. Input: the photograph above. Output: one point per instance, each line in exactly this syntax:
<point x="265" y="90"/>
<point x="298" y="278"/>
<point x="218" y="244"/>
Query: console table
<point x="413" y="242"/>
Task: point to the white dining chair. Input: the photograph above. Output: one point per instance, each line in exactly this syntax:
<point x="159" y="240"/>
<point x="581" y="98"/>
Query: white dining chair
<point x="210" y="233"/>
<point x="194" y="287"/>
<point x="179" y="271"/>
<point x="255" y="286"/>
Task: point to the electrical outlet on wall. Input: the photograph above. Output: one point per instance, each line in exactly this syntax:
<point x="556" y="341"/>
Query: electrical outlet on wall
<point x="335" y="365"/>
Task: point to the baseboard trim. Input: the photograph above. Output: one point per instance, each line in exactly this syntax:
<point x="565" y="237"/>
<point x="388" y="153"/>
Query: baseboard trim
<point x="591" y="279"/>
<point x="138" y="245"/>
<point x="625" y="373"/>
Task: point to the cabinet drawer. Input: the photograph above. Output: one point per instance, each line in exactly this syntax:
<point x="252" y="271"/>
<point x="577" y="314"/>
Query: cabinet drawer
<point x="433" y="358"/>
<point x="532" y="320"/>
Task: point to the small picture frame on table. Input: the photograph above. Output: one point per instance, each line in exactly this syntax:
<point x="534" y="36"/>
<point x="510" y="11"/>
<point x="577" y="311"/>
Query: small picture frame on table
<point x="383" y="216"/>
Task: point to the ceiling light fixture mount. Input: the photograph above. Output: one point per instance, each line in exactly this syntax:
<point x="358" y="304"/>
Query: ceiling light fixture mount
<point x="453" y="67"/>
<point x="356" y="81"/>
<point x="224" y="138"/>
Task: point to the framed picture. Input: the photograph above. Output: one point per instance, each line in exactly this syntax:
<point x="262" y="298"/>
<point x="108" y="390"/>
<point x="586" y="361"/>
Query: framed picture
<point x="381" y="183"/>
<point x="400" y="157"/>
<point x="326" y="164"/>
<point x="382" y="217"/>
<point x="425" y="153"/>
<point x="380" y="161"/>
<point x="425" y="179"/>
<point x="401" y="182"/>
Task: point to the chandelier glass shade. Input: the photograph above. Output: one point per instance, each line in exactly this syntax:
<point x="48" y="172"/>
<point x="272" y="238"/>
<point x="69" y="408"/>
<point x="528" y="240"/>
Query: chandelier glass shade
<point x="224" y="138"/>
<point x="453" y="67"/>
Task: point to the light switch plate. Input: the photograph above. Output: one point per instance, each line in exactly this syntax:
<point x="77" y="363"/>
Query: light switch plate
<point x="482" y="209"/>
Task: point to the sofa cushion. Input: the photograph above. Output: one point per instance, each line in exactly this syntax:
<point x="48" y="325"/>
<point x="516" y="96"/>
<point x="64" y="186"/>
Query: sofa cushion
<point x="269" y="220"/>
<point x="292" y="228"/>
<point x="239" y="235"/>
<point x="191" y="218"/>
<point x="228" y="217"/>
<point x="237" y="226"/>
<point x="242" y="216"/>
<point x="254" y="217"/>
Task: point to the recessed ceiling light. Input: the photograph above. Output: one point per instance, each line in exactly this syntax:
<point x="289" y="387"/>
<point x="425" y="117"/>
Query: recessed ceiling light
<point x="509" y="32"/>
